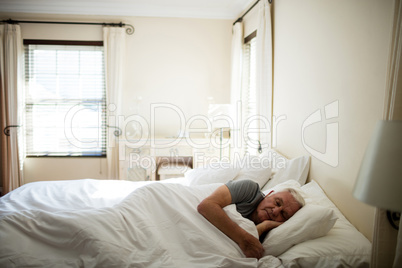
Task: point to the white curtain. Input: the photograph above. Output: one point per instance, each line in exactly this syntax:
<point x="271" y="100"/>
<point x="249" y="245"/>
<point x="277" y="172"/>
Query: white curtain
<point x="11" y="99"/>
<point x="237" y="55"/>
<point x="264" y="71"/>
<point x="114" y="46"/>
<point x="236" y="84"/>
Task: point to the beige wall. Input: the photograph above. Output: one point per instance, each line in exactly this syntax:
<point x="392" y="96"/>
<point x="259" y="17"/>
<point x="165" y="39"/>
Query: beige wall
<point x="331" y="52"/>
<point x="177" y="61"/>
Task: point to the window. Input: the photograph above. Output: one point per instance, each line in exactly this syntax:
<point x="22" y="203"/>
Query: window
<point x="249" y="94"/>
<point x="65" y="99"/>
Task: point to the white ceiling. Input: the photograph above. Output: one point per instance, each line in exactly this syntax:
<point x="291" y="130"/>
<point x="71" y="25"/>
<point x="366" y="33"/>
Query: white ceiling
<point x="210" y="9"/>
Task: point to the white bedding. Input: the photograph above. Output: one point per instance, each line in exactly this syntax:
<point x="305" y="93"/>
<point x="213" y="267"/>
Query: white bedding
<point x="88" y="223"/>
<point x="63" y="224"/>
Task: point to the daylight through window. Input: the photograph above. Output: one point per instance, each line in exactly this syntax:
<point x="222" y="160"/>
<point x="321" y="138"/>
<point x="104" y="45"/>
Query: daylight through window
<point x="249" y="97"/>
<point x="65" y="102"/>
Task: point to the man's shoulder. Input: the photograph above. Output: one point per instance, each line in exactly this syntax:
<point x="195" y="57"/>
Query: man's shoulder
<point x="242" y="183"/>
<point x="243" y="190"/>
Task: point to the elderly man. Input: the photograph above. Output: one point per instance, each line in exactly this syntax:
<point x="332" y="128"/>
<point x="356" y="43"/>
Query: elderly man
<point x="267" y="212"/>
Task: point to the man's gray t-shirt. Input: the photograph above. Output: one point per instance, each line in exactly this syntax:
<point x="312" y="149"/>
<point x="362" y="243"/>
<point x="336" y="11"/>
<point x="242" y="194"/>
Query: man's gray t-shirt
<point x="246" y="194"/>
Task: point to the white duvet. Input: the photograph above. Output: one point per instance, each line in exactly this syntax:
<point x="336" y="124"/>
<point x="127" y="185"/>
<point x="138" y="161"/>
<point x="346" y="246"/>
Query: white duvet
<point x="141" y="225"/>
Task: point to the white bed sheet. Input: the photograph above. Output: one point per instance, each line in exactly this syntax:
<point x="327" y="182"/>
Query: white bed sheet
<point x="124" y="224"/>
<point x="71" y="223"/>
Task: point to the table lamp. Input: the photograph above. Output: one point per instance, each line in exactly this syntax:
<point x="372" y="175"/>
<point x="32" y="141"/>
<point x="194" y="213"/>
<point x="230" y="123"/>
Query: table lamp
<point x="379" y="182"/>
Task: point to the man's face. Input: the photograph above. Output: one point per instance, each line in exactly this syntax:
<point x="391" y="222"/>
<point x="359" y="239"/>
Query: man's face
<point x="277" y="207"/>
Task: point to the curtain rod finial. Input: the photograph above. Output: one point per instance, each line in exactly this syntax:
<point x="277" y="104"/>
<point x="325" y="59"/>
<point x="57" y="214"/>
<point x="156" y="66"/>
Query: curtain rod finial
<point x="129" y="29"/>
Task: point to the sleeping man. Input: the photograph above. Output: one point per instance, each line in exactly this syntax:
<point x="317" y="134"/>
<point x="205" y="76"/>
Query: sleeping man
<point x="267" y="212"/>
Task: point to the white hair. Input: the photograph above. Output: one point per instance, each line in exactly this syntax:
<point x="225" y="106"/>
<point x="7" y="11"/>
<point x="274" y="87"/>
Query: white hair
<point x="296" y="195"/>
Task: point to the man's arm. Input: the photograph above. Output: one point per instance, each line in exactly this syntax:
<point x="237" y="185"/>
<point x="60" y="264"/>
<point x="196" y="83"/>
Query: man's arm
<point x="212" y="209"/>
<point x="266" y="226"/>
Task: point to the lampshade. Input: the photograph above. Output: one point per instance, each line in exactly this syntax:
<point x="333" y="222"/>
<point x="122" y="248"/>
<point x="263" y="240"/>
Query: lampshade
<point x="379" y="182"/>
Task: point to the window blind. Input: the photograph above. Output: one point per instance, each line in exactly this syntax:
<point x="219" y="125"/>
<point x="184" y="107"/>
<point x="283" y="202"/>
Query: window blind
<point x="65" y="101"/>
<point x="249" y="97"/>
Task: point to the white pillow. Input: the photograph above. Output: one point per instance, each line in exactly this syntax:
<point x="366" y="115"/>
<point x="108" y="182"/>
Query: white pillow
<point x="343" y="246"/>
<point x="260" y="175"/>
<point x="310" y="222"/>
<point x="295" y="169"/>
<point x="200" y="176"/>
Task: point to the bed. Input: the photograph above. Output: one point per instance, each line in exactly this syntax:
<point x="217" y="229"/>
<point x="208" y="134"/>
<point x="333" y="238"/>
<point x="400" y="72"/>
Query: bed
<point x="116" y="223"/>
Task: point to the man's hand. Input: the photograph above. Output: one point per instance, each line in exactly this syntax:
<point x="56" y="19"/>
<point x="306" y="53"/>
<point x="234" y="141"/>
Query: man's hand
<point x="251" y="247"/>
<point x="266" y="226"/>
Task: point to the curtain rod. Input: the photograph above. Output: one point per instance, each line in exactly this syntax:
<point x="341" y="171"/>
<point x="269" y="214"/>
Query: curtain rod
<point x="129" y="28"/>
<point x="240" y="19"/>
